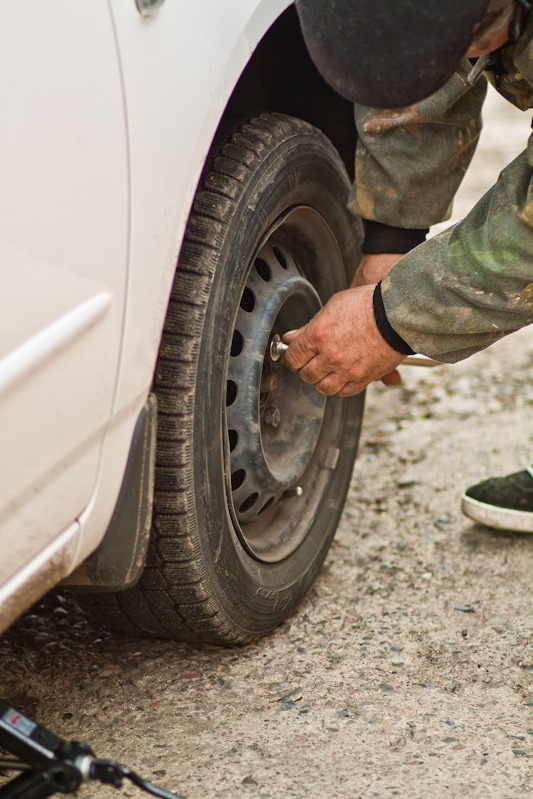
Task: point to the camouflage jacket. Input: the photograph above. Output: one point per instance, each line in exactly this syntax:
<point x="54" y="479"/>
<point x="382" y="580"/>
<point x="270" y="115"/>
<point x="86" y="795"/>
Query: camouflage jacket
<point x="472" y="284"/>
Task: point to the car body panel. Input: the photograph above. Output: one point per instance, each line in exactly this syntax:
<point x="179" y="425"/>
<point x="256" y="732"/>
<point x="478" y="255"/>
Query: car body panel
<point x="63" y="264"/>
<point x="175" y="95"/>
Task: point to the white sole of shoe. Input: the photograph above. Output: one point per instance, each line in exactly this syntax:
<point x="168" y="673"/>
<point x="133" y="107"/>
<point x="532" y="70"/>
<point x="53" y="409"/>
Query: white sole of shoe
<point x="518" y="521"/>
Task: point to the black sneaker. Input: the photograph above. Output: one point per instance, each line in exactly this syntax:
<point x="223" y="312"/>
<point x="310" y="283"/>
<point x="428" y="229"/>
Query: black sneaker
<point x="502" y="502"/>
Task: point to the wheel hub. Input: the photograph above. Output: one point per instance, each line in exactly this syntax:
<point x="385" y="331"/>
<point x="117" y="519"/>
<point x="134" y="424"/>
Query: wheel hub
<point x="273" y="417"/>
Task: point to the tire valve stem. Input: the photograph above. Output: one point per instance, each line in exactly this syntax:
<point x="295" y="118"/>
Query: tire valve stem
<point x="277" y="348"/>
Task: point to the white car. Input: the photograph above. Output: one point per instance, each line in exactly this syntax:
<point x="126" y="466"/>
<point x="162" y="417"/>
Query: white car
<point x="172" y="196"/>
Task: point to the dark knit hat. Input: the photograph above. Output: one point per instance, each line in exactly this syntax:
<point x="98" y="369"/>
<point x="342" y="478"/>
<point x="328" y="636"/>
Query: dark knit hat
<point x="388" y="54"/>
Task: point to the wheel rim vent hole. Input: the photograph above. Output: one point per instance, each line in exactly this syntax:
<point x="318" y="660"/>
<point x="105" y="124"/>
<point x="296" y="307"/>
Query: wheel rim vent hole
<point x="249" y="502"/>
<point x="237" y="479"/>
<point x="280" y="257"/>
<point x="263" y="269"/>
<point x="237" y="343"/>
<point x="231" y="392"/>
<point x="233" y="437"/>
<point x="248" y="300"/>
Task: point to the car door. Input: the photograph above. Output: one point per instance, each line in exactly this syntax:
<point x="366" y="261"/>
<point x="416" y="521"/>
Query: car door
<point x="63" y="262"/>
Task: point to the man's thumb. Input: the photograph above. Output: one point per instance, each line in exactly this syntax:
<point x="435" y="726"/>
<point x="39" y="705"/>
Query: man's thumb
<point x="290" y="335"/>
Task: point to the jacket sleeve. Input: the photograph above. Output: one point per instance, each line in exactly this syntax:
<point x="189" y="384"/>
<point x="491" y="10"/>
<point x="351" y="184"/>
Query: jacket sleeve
<point x="410" y="161"/>
<point x="472" y="284"/>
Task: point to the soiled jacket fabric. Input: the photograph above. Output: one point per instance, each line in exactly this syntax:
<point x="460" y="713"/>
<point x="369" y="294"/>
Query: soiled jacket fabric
<point x="472" y="284"/>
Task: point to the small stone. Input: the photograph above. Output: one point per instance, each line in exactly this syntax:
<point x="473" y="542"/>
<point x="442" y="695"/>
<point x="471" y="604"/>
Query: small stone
<point x="525" y="750"/>
<point x="406" y="481"/>
<point x="465" y="608"/>
<point x="451" y="687"/>
<point x="288" y="705"/>
<point x="386" y="689"/>
<point x="249" y="781"/>
<point x="293" y="695"/>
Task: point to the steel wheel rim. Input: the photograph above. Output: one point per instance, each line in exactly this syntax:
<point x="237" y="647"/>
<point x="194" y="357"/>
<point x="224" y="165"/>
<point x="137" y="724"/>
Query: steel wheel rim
<point x="274" y="421"/>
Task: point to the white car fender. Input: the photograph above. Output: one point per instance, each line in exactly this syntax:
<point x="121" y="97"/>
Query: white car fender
<point x="179" y="68"/>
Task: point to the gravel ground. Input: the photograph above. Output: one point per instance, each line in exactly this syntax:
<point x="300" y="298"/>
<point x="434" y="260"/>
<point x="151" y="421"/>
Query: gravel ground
<point x="407" y="672"/>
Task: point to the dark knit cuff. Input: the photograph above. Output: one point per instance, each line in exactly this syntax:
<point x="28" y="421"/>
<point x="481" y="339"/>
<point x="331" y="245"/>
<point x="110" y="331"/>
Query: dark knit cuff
<point x="385" y="328"/>
<point x="381" y="238"/>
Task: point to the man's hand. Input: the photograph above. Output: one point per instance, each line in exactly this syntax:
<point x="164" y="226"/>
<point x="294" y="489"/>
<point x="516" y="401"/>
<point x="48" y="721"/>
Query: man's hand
<point x="340" y="351"/>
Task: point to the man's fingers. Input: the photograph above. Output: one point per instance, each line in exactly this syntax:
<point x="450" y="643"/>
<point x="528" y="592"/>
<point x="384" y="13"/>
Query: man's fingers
<point x="329" y="385"/>
<point x="290" y="334"/>
<point x="300" y="351"/>
<point x="316" y="369"/>
<point x="350" y="389"/>
<point x="392" y="378"/>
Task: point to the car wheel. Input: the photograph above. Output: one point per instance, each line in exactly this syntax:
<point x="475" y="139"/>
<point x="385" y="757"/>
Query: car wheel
<point x="253" y="466"/>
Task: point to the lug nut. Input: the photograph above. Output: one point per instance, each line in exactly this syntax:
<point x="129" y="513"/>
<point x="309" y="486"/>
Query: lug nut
<point x="272" y="416"/>
<point x="269" y="382"/>
<point x="277" y="347"/>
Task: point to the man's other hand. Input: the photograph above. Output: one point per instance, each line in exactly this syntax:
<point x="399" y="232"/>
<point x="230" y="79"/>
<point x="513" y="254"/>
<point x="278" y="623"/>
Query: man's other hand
<point x="340" y="351"/>
<point x="373" y="268"/>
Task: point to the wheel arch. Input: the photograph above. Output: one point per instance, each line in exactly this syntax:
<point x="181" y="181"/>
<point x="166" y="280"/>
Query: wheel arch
<point x="281" y="77"/>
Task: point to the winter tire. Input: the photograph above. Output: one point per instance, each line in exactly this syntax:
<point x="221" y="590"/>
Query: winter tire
<point x="253" y="466"/>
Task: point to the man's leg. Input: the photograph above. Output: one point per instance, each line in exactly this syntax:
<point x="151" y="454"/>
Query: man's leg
<point x="502" y="502"/>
